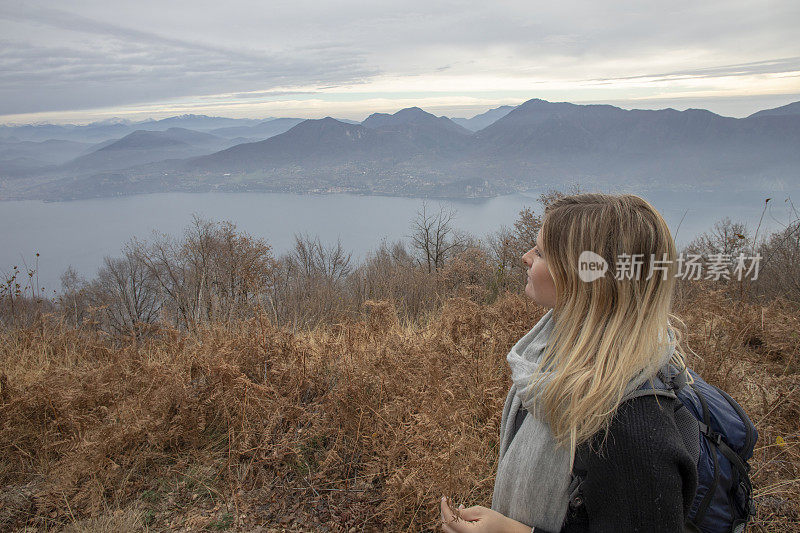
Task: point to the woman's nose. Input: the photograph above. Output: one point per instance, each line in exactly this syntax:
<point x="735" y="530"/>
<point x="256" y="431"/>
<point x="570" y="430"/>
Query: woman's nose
<point x="526" y="258"/>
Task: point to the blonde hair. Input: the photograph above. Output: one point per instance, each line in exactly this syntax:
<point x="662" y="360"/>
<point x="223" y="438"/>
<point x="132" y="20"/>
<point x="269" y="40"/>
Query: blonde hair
<point x="608" y="330"/>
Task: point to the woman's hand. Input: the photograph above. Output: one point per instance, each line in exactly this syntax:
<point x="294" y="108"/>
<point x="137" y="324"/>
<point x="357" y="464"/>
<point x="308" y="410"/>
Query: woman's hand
<point x="477" y="519"/>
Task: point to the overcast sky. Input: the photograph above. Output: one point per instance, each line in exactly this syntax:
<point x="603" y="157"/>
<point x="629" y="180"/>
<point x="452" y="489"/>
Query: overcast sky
<point x="87" y="60"/>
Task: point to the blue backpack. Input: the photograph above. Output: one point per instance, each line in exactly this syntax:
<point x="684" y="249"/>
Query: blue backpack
<point x="719" y="434"/>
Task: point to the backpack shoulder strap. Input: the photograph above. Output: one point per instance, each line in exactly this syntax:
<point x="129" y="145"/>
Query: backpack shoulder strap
<point x="638" y="393"/>
<point x="665" y="383"/>
<point x="675" y="378"/>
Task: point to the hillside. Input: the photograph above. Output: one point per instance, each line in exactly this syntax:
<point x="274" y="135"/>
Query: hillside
<point x="607" y="143"/>
<point x="262" y="130"/>
<point x="360" y="425"/>
<point x="788" y="109"/>
<point x="535" y="145"/>
<point x="325" y="141"/>
<point x="482" y="120"/>
<point x="142" y="146"/>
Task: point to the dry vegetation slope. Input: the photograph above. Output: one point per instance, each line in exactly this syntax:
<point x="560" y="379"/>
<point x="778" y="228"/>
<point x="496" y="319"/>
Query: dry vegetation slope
<point x="360" y="426"/>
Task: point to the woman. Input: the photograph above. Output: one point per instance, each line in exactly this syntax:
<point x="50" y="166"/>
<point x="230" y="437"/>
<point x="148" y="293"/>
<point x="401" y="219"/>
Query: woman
<point x="604" y="335"/>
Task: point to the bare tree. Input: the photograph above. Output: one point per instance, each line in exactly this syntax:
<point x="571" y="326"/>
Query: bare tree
<point x="780" y="264"/>
<point x="215" y="273"/>
<point x="309" y="283"/>
<point x="433" y="238"/>
<point x="313" y="259"/>
<point x="74" y="297"/>
<point x="126" y="293"/>
<point x="727" y="237"/>
<point x="164" y="262"/>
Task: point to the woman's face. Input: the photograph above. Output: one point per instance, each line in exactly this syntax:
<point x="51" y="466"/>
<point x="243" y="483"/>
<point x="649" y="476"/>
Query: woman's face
<point x="540" y="287"/>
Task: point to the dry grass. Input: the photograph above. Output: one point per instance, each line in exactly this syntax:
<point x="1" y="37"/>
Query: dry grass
<point x="358" y="425"/>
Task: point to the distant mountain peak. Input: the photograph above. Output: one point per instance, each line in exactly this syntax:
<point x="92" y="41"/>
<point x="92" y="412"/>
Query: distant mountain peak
<point x="320" y="126"/>
<point x="408" y="114"/>
<point x="413" y="116"/>
<point x="501" y="109"/>
<point x="482" y="120"/>
<point x="113" y="121"/>
<point x="413" y="111"/>
<point x="788" y="109"/>
<point x="694" y="110"/>
<point x="316" y="122"/>
<point x="142" y="139"/>
<point x="538" y="102"/>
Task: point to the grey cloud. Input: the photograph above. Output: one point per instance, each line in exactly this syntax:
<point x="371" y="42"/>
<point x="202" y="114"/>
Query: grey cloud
<point x="73" y="22"/>
<point x="56" y="59"/>
<point x="770" y="66"/>
<point x="138" y="66"/>
<point x="267" y="94"/>
<point x="579" y="33"/>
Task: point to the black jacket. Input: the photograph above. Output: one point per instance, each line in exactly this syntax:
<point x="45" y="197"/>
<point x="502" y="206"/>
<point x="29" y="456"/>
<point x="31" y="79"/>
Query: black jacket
<point x="642" y="479"/>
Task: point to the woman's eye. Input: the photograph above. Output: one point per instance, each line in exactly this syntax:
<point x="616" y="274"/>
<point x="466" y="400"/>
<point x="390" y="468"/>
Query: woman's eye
<point x="537" y="252"/>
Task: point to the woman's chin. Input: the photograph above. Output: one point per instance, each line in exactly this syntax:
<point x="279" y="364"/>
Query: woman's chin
<point x="530" y="293"/>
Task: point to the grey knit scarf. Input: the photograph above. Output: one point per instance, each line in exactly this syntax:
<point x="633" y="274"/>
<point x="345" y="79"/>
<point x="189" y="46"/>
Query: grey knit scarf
<point x="533" y="472"/>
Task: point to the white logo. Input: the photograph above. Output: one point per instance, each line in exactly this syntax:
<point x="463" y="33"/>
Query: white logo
<point x="591" y="266"/>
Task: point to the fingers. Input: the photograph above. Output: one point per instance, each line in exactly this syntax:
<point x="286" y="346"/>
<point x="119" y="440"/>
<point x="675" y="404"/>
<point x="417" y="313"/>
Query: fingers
<point x="450" y="523"/>
<point x="469" y="519"/>
<point x="460" y="526"/>
<point x="475" y="512"/>
<point x="457" y="527"/>
<point x="447" y="513"/>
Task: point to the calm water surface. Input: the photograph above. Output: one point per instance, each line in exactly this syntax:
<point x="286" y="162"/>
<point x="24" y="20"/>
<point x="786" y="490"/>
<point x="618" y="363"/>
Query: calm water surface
<point x="81" y="233"/>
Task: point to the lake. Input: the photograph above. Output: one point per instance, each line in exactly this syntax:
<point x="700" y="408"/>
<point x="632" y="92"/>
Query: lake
<point x="80" y="233"/>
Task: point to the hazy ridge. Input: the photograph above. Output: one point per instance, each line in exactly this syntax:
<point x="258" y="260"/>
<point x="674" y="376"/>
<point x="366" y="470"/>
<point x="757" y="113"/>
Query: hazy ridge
<point x="409" y="153"/>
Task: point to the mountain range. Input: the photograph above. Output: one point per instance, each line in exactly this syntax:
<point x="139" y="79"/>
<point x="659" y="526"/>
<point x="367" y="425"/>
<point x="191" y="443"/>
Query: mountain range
<point x="478" y="122"/>
<point x="411" y="152"/>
